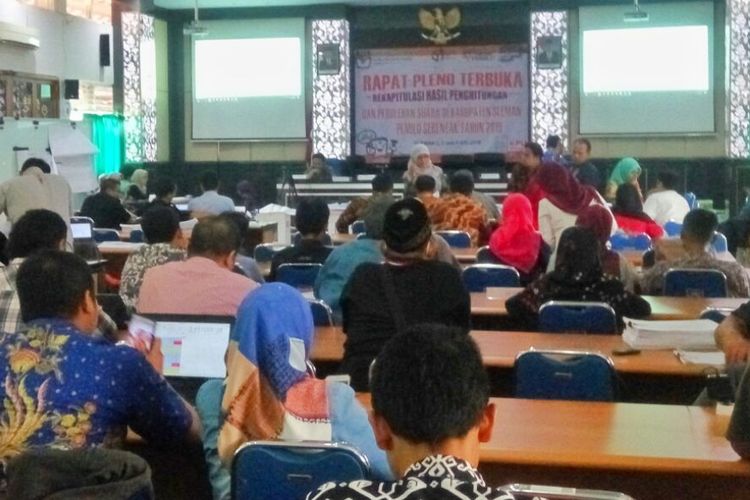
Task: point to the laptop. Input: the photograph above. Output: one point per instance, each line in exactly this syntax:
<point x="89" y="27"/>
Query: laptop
<point x="191" y="346"/>
<point x="81" y="230"/>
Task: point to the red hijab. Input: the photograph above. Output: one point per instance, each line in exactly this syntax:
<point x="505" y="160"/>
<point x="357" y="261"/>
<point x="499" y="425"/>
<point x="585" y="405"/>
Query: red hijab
<point x="564" y="190"/>
<point x="516" y="242"/>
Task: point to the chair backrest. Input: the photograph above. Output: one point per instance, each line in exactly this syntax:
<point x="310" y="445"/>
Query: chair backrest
<point x="456" y="239"/>
<point x="586" y="317"/>
<point x="265" y="251"/>
<point x="321" y="312"/>
<point x="534" y="491"/>
<point x="101" y="235"/>
<point x="478" y="277"/>
<point x="485" y="256"/>
<point x="692" y="200"/>
<point x="357" y="227"/>
<point x="136" y="236"/>
<point x="695" y="282"/>
<point x="719" y="242"/>
<point x="672" y="228"/>
<point x="298" y="275"/>
<point x="580" y="376"/>
<point x="270" y="470"/>
<point x="327" y="241"/>
<point x="620" y="241"/>
<point x="717" y="314"/>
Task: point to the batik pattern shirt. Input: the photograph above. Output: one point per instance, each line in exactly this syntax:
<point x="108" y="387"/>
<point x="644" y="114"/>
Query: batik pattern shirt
<point x="461" y="213"/>
<point x="138" y="262"/>
<point x="62" y="388"/>
<point x="652" y="281"/>
<point x="435" y="477"/>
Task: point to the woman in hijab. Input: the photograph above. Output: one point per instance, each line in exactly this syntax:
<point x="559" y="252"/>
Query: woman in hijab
<point x="599" y="220"/>
<point x="421" y="164"/>
<point x="516" y="243"/>
<point x="564" y="198"/>
<point x="269" y="393"/>
<point x="137" y="190"/>
<point x="629" y="214"/>
<point x="626" y="171"/>
<point x="577" y="276"/>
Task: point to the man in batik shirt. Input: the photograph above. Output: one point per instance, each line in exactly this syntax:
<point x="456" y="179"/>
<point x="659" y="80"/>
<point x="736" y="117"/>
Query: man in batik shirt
<point x="458" y="211"/>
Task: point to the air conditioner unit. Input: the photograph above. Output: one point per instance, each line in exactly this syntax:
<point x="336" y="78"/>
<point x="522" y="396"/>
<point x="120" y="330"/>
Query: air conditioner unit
<point x="20" y="36"/>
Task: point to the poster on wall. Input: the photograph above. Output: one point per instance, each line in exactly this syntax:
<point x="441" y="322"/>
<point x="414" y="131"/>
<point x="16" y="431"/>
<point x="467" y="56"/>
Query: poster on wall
<point x="456" y="100"/>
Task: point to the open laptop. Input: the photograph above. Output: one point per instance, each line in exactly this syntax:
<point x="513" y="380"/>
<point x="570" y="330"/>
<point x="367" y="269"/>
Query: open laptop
<point x="192" y="346"/>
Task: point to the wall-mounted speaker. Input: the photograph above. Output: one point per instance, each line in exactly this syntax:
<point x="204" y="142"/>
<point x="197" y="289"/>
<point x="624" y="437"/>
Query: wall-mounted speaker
<point x="104" y="54"/>
<point x="71" y="89"/>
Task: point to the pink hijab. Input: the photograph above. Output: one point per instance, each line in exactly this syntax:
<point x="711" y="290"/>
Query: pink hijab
<point x="516" y="242"/>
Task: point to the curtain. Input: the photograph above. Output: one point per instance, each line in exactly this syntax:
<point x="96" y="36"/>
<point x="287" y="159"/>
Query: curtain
<point x="107" y="134"/>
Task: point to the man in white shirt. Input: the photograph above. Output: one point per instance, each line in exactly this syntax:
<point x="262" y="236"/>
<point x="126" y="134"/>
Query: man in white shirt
<point x="664" y="203"/>
<point x="210" y="202"/>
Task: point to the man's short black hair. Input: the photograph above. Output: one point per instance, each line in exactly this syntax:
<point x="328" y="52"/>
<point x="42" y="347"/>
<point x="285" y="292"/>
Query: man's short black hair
<point x="312" y="216"/>
<point x="425" y="184"/>
<point x="667" y="178"/>
<point x="535" y="148"/>
<point x="462" y="182"/>
<point x="429" y="384"/>
<point x="382" y="183"/>
<point x="52" y="284"/>
<point x="553" y="141"/>
<point x="319" y="156"/>
<point x="240" y="221"/>
<point x="209" y="181"/>
<point x="163" y="187"/>
<point x="699" y="225"/>
<point x="36" y="162"/>
<point x="37" y="229"/>
<point x="585" y="142"/>
<point x="214" y="236"/>
<point x="159" y="224"/>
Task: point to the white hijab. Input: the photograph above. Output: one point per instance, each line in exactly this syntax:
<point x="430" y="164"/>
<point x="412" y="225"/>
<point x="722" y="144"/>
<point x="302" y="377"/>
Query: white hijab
<point x="413" y="170"/>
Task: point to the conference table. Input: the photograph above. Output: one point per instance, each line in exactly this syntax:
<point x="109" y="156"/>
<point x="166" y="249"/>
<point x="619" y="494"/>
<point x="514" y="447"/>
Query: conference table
<point x="469" y="255"/>
<point x="647" y="451"/>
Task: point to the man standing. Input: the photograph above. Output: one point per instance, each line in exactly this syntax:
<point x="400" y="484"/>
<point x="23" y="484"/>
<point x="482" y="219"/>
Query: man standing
<point x="582" y="168"/>
<point x="36" y="187"/>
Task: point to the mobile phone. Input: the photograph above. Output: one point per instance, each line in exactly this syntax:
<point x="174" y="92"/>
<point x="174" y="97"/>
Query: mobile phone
<point x="141" y="333"/>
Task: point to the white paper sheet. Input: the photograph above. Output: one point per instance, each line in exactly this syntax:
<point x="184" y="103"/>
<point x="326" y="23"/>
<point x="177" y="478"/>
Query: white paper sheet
<point x="193" y="349"/>
<point x="65" y="140"/>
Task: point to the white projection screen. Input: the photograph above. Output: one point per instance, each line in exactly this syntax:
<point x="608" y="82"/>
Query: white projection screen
<point x="647" y="77"/>
<point x="248" y="80"/>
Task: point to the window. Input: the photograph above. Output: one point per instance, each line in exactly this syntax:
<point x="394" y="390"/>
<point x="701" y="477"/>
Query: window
<point x="92" y="98"/>
<point x="96" y="10"/>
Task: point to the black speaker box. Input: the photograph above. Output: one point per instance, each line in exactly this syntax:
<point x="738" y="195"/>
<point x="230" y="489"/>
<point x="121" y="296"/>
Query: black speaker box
<point x="71" y="89"/>
<point x="104" y="55"/>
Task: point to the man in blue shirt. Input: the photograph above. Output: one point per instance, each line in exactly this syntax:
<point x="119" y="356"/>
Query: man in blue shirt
<point x="210" y="202"/>
<point x="65" y="389"/>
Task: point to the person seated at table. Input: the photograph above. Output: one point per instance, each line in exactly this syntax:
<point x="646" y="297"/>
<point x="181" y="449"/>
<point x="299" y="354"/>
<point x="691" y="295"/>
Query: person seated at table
<point x="577" y="276"/>
<point x="629" y="214"/>
<point x="202" y="284"/>
<point x="164" y="191"/>
<point x="138" y="190"/>
<point x="210" y="202"/>
<point x="343" y="260"/>
<point x="564" y="198"/>
<point x="382" y="187"/>
<point x="516" y="243"/>
<point x="697" y="231"/>
<point x="419" y="164"/>
<point x="381" y="299"/>
<point x="312" y="221"/>
<point x="626" y="171"/>
<point x="246" y="264"/>
<point x="425" y="187"/>
<point x="319" y="171"/>
<point x="105" y="207"/>
<point x="269" y="392"/>
<point x="164" y="243"/>
<point x="63" y="388"/>
<point x="663" y="203"/>
<point x="599" y="220"/>
<point x="457" y="210"/>
<point x="430" y="412"/>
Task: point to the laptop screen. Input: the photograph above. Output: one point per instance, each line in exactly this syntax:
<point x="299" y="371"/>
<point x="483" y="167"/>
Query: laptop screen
<point x="193" y="346"/>
<point x="81" y="230"/>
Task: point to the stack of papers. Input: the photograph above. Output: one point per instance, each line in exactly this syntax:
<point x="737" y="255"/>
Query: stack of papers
<point x="689" y="334"/>
<point x="713" y="358"/>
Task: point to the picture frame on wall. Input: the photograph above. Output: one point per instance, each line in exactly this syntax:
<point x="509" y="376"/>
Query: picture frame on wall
<point x="549" y="52"/>
<point x="328" y="59"/>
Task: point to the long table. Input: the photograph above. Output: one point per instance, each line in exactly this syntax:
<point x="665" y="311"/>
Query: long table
<point x="647" y="451"/>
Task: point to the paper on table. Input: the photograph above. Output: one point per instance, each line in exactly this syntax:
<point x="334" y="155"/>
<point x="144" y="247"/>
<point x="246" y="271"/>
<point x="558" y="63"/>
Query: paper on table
<point x="688" y="334"/>
<point x="713" y="358"/>
<point x="273" y="208"/>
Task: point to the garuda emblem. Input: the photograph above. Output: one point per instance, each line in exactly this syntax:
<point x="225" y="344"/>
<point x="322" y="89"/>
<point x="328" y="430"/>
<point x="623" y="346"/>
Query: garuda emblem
<point x="440" y="28"/>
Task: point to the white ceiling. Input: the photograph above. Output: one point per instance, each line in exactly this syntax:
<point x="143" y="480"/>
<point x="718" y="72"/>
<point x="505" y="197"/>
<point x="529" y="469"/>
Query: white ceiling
<point x="208" y="4"/>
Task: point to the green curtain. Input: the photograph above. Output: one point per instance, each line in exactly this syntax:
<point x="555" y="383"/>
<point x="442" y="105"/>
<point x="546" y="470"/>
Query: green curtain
<point x="107" y="134"/>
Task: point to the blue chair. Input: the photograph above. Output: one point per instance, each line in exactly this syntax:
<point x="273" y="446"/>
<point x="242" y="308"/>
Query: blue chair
<point x="709" y="283"/>
<point x="136" y="236"/>
<point x="620" y="241"/>
<point x="672" y="228"/>
<point x="270" y="470"/>
<point x="692" y="200"/>
<point x="327" y="241"/>
<point x="298" y="275"/>
<point x="717" y="314"/>
<point x="321" y="312"/>
<point x="456" y="239"/>
<point x="571" y="375"/>
<point x="719" y="243"/>
<point x="485" y="256"/>
<point x="586" y="317"/>
<point x="478" y="277"/>
<point x="265" y="251"/>
<point x="101" y="235"/>
<point x="358" y="227"/>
